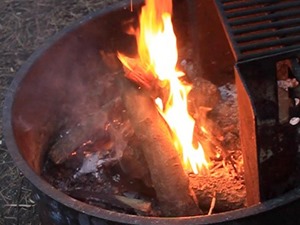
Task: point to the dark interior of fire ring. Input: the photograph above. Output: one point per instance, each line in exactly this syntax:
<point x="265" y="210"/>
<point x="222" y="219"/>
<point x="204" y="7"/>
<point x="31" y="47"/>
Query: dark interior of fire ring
<point x="65" y="83"/>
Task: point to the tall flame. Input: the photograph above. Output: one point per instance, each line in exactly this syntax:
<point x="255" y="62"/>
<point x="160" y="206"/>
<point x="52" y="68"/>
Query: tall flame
<point x="157" y="49"/>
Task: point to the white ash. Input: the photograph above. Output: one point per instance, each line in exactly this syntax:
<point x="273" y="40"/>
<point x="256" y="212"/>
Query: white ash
<point x="294" y="120"/>
<point x="288" y="83"/>
<point x="228" y="91"/>
<point x="188" y="67"/>
<point x="91" y="164"/>
<point x="183" y="63"/>
<point x="116" y="178"/>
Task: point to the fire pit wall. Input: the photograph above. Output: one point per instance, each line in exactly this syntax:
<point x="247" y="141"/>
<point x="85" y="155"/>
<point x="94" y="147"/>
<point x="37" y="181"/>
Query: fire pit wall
<point x="60" y="80"/>
<point x="53" y="86"/>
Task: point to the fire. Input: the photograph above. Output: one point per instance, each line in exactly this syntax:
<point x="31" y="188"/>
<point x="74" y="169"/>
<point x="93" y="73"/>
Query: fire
<point x="157" y="49"/>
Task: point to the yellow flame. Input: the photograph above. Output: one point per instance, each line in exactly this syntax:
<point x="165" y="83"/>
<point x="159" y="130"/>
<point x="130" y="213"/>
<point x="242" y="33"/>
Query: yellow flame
<point x="157" y="48"/>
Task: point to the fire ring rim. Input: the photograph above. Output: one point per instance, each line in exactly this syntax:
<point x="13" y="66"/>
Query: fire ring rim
<point x="94" y="211"/>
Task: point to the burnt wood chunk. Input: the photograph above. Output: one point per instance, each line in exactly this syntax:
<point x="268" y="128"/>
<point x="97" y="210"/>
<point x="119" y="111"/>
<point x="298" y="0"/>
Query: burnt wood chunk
<point x="115" y="201"/>
<point x="86" y="129"/>
<point x="230" y="194"/>
<point x="169" y="180"/>
<point x="133" y="163"/>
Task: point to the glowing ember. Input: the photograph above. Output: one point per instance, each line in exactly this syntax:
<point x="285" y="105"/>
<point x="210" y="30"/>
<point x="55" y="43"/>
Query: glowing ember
<point x="157" y="49"/>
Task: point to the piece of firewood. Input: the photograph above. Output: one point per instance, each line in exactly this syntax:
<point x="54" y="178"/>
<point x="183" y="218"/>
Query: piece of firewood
<point x="86" y="129"/>
<point x="137" y="71"/>
<point x="137" y="204"/>
<point x="93" y="127"/>
<point x="133" y="163"/>
<point x="141" y="75"/>
<point x="169" y="180"/>
<point x="230" y="193"/>
<point x="111" y="200"/>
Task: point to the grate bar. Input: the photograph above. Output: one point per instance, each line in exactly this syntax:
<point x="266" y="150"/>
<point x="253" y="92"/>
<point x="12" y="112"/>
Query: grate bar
<point x="247" y="4"/>
<point x="264" y="9"/>
<point x="254" y="55"/>
<point x="258" y="19"/>
<point x="269" y="44"/>
<point x="277" y="33"/>
<point x="258" y="27"/>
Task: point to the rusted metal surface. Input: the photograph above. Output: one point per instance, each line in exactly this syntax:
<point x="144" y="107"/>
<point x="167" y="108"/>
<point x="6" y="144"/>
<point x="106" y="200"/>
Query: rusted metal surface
<point x="261" y="34"/>
<point x="249" y="145"/>
<point x="259" y="28"/>
<point x="275" y="144"/>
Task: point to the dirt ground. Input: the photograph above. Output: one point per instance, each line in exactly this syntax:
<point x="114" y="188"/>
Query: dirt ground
<point x="24" y="26"/>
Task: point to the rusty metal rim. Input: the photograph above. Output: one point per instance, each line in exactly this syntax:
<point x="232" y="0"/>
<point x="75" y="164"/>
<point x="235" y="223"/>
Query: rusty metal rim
<point x="97" y="212"/>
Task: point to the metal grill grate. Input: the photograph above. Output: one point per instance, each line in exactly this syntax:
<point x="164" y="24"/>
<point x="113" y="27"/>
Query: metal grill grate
<point x="258" y="28"/>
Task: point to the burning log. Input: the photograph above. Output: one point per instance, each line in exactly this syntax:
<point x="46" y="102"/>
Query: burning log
<point x="138" y="72"/>
<point x="169" y="180"/>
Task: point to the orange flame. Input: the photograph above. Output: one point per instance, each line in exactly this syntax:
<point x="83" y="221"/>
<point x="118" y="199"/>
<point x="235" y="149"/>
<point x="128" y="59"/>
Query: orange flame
<point x="157" y="49"/>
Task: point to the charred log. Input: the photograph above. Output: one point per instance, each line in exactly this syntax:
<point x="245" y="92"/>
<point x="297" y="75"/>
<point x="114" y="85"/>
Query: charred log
<point x="139" y="206"/>
<point x="229" y="193"/>
<point x="133" y="163"/>
<point x="77" y="134"/>
<point x="169" y="180"/>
